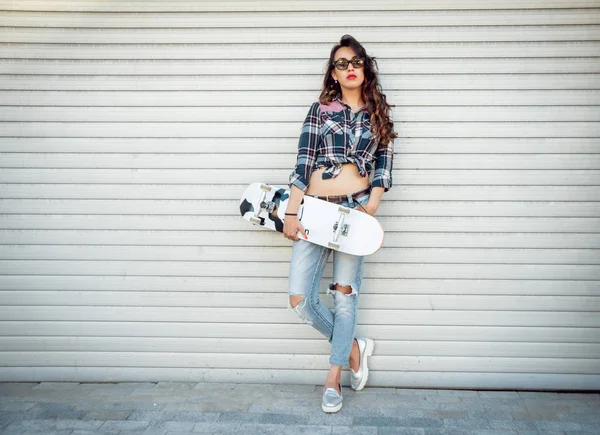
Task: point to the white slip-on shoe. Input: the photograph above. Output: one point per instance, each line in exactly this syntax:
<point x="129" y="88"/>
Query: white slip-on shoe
<point x="359" y="379"/>
<point x="332" y="400"/>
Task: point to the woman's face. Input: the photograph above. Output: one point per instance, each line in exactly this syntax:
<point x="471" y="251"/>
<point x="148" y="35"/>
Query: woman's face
<point x="352" y="77"/>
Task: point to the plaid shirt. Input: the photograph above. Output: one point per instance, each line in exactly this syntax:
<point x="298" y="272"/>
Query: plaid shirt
<point x="331" y="136"/>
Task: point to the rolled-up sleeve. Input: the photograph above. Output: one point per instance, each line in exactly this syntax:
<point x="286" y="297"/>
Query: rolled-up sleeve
<point x="384" y="157"/>
<point x="308" y="145"/>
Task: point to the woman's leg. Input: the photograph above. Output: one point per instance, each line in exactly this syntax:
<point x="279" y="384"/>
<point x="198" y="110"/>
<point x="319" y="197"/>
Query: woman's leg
<point x="347" y="279"/>
<point x="345" y="286"/>
<point x="306" y="269"/>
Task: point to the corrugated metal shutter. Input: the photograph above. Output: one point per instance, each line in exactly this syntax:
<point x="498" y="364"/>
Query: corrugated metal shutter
<point x="129" y="130"/>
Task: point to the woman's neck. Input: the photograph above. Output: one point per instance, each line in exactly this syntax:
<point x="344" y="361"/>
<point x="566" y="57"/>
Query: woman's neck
<point x="353" y="98"/>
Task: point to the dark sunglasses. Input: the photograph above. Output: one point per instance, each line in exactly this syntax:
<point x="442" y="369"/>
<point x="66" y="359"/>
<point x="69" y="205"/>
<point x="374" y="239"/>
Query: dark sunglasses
<point x="342" y="63"/>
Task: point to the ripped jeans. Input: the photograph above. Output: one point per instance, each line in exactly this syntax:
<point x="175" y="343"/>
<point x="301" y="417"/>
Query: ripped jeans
<point x="306" y="269"/>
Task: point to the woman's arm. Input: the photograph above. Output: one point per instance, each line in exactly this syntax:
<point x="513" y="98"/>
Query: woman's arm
<point x="291" y="224"/>
<point x="308" y="145"/>
<point x="382" y="178"/>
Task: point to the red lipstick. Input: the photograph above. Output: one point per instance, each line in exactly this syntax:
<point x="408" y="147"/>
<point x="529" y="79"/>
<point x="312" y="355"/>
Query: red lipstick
<point x="351" y="76"/>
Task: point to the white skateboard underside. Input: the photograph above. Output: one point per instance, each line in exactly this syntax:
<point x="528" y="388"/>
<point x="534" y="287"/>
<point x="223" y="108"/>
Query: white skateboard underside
<point x="326" y="224"/>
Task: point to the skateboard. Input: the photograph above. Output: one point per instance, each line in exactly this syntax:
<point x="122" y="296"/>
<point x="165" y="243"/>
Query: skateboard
<point x="327" y="224"/>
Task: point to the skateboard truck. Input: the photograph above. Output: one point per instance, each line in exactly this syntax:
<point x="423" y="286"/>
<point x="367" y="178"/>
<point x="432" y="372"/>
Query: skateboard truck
<point x="339" y="228"/>
<point x="262" y="204"/>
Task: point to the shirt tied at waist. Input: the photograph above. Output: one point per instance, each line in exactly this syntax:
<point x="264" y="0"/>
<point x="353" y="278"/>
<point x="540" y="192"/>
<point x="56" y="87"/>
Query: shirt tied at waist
<point x="333" y="169"/>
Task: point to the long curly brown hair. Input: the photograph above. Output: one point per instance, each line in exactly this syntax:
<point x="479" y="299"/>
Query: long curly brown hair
<point x="382" y="126"/>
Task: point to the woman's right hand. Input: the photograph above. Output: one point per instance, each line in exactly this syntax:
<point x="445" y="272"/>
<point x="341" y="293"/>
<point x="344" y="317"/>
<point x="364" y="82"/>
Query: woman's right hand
<point x="291" y="226"/>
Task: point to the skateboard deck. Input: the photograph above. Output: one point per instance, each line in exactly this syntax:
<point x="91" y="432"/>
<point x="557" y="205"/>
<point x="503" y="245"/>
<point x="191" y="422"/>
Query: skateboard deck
<point x="327" y="224"/>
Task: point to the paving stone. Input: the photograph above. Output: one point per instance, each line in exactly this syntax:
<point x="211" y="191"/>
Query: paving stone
<point x="281" y="419"/>
<point x="215" y="386"/>
<point x="173" y="415"/>
<point x="110" y="392"/>
<point x="583" y="417"/>
<point x="124" y="425"/>
<point x="492" y="432"/>
<point x="446" y="414"/>
<point x="276" y="429"/>
<point x="388" y="400"/>
<point x="14" y="388"/>
<point x="579" y="396"/>
<point x="447" y="431"/>
<point x="165" y="426"/>
<point x="547" y="412"/>
<point x="373" y="390"/>
<point x="56" y="410"/>
<point x="78" y="424"/>
<point x="415" y="392"/>
<point x="95" y="432"/>
<point x="375" y="421"/>
<point x="5" y="419"/>
<point x="145" y="432"/>
<point x="48" y="426"/>
<point x="462" y="406"/>
<point x="541" y="433"/>
<point x="56" y="386"/>
<point x="44" y="432"/>
<point x="474" y="423"/>
<point x="180" y="385"/>
<point x="401" y="431"/>
<point x="512" y="425"/>
<point x="448" y="398"/>
<point x="97" y="388"/>
<point x="590" y="427"/>
<point x="211" y="427"/>
<point x="348" y="430"/>
<point x="421" y="422"/>
<point x="16" y="406"/>
<point x="397" y="422"/>
<point x="211" y="406"/>
<point x="276" y="389"/>
<point x="10" y="417"/>
<point x="556" y="425"/>
<point x="31" y="426"/>
<point x="490" y="414"/>
<point x="341" y="418"/>
<point x="107" y="415"/>
<point x="458" y="393"/>
<point x="108" y="404"/>
<point x="423" y="403"/>
<point x="405" y="413"/>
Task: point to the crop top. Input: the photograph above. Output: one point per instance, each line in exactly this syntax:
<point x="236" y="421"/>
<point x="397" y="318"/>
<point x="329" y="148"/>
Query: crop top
<point x="333" y="135"/>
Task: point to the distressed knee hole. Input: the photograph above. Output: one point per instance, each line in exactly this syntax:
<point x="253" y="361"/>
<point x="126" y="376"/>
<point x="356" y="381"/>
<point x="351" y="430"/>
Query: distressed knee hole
<point x="297" y="304"/>
<point x="345" y="289"/>
<point x="295" y="300"/>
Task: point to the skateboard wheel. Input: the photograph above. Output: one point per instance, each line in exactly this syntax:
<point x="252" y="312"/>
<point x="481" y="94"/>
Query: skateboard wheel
<point x="265" y="187"/>
<point x="333" y="245"/>
<point x="255" y="220"/>
<point x="344" y="210"/>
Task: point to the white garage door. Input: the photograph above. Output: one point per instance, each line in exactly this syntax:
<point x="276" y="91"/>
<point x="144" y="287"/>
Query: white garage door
<point x="129" y="130"/>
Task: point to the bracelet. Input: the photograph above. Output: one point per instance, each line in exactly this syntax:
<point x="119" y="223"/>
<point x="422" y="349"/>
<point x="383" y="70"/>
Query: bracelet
<point x="291" y="214"/>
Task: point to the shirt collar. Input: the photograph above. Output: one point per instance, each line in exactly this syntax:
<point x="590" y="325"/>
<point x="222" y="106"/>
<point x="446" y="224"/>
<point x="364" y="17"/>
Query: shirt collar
<point x="338" y="98"/>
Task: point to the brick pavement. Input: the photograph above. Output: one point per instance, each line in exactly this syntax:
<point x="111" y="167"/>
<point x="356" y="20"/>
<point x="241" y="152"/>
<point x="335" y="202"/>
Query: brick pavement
<point x="168" y="408"/>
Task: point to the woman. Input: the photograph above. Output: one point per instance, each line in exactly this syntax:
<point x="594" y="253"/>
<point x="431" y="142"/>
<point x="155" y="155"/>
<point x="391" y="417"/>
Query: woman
<point x="345" y="135"/>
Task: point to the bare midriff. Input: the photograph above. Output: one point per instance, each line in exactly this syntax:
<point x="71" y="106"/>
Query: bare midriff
<point x="347" y="181"/>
